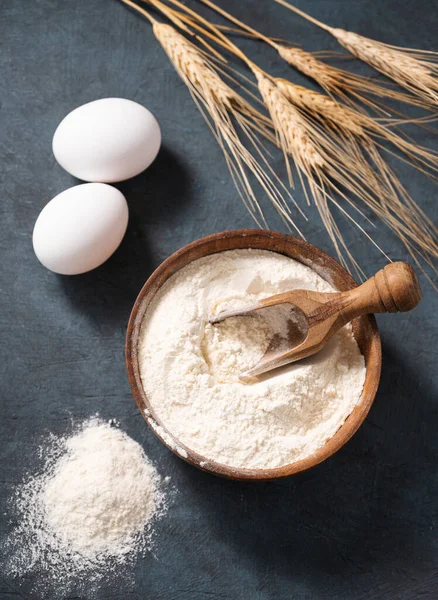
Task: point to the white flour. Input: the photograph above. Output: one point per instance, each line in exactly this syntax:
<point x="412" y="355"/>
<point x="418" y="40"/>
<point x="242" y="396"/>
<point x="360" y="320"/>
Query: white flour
<point x="89" y="512"/>
<point x="190" y="368"/>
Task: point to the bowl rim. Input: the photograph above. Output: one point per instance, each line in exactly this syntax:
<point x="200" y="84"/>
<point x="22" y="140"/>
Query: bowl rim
<point x="217" y="242"/>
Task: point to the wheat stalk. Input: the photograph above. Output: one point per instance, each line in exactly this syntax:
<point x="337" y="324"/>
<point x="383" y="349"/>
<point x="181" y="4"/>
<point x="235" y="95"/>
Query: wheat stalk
<point x="222" y="107"/>
<point x="350" y="149"/>
<point x="410" y="68"/>
<point x="330" y="165"/>
<point x="347" y="86"/>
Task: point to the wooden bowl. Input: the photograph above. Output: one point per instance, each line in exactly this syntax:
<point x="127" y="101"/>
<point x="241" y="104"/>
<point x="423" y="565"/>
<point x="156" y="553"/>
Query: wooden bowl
<point x="364" y="328"/>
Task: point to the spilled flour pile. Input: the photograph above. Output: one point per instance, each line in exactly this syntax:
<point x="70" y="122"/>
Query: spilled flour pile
<point x="190" y="368"/>
<point x="90" y="511"/>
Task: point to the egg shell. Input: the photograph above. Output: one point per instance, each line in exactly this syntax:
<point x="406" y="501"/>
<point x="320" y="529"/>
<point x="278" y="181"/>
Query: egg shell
<point x="107" y="140"/>
<point x="80" y="228"/>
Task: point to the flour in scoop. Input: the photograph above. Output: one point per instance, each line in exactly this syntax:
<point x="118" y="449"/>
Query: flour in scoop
<point x="89" y="513"/>
<point x="190" y="368"/>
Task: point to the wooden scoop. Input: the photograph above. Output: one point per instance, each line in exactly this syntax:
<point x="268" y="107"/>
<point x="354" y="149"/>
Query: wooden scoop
<point x="309" y="319"/>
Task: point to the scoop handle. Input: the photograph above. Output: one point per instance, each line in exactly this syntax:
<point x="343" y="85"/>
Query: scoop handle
<point x="398" y="287"/>
<point x="394" y="288"/>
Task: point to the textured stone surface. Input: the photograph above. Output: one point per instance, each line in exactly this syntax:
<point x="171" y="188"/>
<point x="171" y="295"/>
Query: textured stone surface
<point x="360" y="526"/>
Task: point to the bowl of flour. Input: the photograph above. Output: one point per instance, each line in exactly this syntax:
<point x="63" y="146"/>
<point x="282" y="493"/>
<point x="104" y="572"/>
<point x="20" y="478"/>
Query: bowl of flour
<point x="184" y="371"/>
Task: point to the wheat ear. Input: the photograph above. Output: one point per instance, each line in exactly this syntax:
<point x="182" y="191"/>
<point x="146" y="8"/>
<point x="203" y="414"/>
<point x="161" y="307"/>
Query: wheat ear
<point x="417" y="75"/>
<point x="222" y="107"/>
<point x="415" y="70"/>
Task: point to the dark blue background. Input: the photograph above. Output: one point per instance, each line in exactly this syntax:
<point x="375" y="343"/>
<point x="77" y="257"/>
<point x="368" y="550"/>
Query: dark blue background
<point x="360" y="526"/>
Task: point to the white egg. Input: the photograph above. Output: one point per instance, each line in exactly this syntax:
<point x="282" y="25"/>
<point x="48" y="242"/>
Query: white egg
<point x="80" y="228"/>
<point x="107" y="140"/>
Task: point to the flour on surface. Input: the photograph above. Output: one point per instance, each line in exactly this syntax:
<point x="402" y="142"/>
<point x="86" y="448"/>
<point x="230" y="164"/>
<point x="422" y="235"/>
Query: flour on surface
<point x="89" y="514"/>
<point x="190" y="368"/>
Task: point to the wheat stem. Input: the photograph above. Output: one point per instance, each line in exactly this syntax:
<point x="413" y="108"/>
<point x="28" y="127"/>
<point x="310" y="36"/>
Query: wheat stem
<point x="304" y="14"/>
<point x="140" y="10"/>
